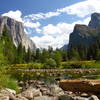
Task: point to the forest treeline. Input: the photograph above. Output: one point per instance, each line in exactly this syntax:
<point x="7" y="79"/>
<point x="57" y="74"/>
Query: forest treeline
<point x="9" y="54"/>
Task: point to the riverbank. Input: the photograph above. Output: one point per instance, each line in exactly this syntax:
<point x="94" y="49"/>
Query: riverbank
<point x="39" y="90"/>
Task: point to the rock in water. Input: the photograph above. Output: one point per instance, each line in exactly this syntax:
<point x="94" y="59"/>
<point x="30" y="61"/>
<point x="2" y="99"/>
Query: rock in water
<point x="16" y="32"/>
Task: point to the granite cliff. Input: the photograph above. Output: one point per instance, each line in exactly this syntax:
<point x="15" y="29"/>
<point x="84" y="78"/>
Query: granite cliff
<point x="86" y="35"/>
<point x="16" y="32"/>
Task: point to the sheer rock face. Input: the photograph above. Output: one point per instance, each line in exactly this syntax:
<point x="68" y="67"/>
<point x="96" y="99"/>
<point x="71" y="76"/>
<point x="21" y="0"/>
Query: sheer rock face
<point x="16" y="31"/>
<point x="85" y="35"/>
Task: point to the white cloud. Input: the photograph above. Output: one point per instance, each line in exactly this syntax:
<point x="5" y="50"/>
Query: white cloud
<point x="41" y="15"/>
<point x="26" y="32"/>
<point x="82" y="9"/>
<point x="57" y="30"/>
<point x="14" y="14"/>
<point x="31" y="24"/>
<point x="51" y="29"/>
<point x="50" y="39"/>
<point x="53" y="35"/>
<point x="47" y="40"/>
<point x="84" y="21"/>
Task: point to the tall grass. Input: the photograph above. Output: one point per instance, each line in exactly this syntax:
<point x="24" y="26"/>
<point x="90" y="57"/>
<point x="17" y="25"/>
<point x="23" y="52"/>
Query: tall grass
<point x="6" y="81"/>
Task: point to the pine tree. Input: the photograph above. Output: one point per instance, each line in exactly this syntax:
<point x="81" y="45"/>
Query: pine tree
<point x="19" y="54"/>
<point x="57" y="57"/>
<point x="38" y="55"/>
<point x="44" y="55"/>
<point x="29" y="56"/>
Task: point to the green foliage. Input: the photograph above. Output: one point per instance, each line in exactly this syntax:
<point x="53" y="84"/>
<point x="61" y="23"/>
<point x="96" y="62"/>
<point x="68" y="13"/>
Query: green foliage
<point x="98" y="55"/>
<point x="80" y="64"/>
<point x="50" y="63"/>
<point x="36" y="66"/>
<point x="38" y="55"/>
<point x="57" y="57"/>
<point x="8" y="48"/>
<point x="46" y="58"/>
<point x="92" y="65"/>
<point x="44" y="55"/>
<point x="85" y="52"/>
<point x="28" y="56"/>
<point x="7" y="82"/>
<point x="3" y="59"/>
<point x="33" y="65"/>
<point x="73" y="53"/>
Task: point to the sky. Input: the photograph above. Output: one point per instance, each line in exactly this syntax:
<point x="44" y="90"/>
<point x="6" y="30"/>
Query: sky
<point x="49" y="22"/>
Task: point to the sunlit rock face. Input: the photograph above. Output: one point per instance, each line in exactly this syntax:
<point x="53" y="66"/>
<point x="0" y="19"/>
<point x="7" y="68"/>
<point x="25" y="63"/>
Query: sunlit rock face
<point x="16" y="31"/>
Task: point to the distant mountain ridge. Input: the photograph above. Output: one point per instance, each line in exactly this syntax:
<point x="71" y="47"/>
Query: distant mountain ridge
<point x="16" y="31"/>
<point x="64" y="48"/>
<point x="86" y="35"/>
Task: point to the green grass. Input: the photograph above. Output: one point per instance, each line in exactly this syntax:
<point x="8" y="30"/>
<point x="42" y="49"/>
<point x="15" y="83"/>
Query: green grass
<point x="80" y="64"/>
<point x="93" y="65"/>
<point x="27" y="66"/>
<point x="6" y="81"/>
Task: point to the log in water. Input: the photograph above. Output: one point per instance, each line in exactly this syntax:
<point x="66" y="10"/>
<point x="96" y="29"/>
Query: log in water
<point x="87" y="86"/>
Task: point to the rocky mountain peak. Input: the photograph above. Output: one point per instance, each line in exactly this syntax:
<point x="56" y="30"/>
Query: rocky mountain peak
<point x="85" y="35"/>
<point x="95" y="20"/>
<point x="16" y="31"/>
<point x="79" y="27"/>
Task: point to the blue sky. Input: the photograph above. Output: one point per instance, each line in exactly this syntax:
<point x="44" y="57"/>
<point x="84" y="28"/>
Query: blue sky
<point x="34" y="6"/>
<point x="50" y="22"/>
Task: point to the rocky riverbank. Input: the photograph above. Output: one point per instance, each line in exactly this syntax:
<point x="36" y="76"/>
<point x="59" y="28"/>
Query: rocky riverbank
<point x="37" y="90"/>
